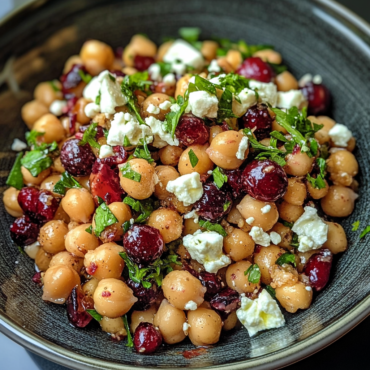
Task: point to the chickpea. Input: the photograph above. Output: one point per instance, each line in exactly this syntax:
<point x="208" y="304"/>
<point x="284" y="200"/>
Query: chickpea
<point x="32" y="249"/>
<point x="290" y="212"/>
<point x="213" y="132"/>
<point x="234" y="58"/>
<point x="276" y="127"/>
<point x="164" y="174"/>
<point x="250" y="207"/>
<point x="351" y="145"/>
<point x="79" y="205"/>
<point x="45" y="93"/>
<point x="43" y="259"/>
<point x="337" y="238"/>
<point x="317" y="193"/>
<point x="285" y="233"/>
<point x="96" y="56"/>
<point x="138" y="317"/>
<point x="173" y="203"/>
<point x="285" y="81"/>
<point x="296" y="192"/>
<point x="89" y="287"/>
<point x="342" y="166"/>
<point x="155" y="99"/>
<point x="170" y="155"/>
<point x="294" y="297"/>
<point x="115" y="327"/>
<point x="209" y="50"/>
<point x="78" y="241"/>
<point x="32" y="111"/>
<point x="265" y="258"/>
<point x="302" y="259"/>
<point x="57" y="166"/>
<point x="105" y="262"/>
<point x="204" y="162"/>
<point x="79" y="110"/>
<point x="61" y="215"/>
<point x="145" y="187"/>
<point x="51" y="126"/>
<point x="190" y="227"/>
<point x="65" y="258"/>
<point x="238" y="245"/>
<point x="205" y="327"/>
<point x="225" y="65"/>
<point x="180" y="287"/>
<point x="182" y="85"/>
<point x="74" y="59"/>
<point x="141" y="45"/>
<point x="237" y="280"/>
<point x="30" y="180"/>
<point x="269" y="55"/>
<point x="84" y="181"/>
<point x="162" y="50"/>
<point x="339" y="202"/>
<point x="298" y="164"/>
<point x="113" y="298"/>
<point x="168" y="222"/>
<point x="230" y="322"/>
<point x="322" y="136"/>
<point x="52" y="236"/>
<point x="223" y="150"/>
<point x="59" y="281"/>
<point x="49" y="182"/>
<point x="11" y="204"/>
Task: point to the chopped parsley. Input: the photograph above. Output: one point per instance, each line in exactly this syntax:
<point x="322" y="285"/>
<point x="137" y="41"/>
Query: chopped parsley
<point x="85" y="77"/>
<point x="355" y="225"/>
<point x="287" y="224"/>
<point x="104" y="217"/>
<point x="190" y="34"/>
<point x="66" y="182"/>
<point x="219" y="177"/>
<point x="212" y="227"/>
<point x="172" y="118"/>
<point x="278" y="68"/>
<point x="89" y="136"/>
<point x="193" y="158"/>
<point x="126" y="142"/>
<point x="144" y="208"/>
<point x="271" y="291"/>
<point x="54" y="86"/>
<point x="31" y="137"/>
<point x="126" y="225"/>
<point x="226" y="205"/>
<point x="225" y="106"/>
<point x="143" y="152"/>
<point x="98" y="98"/>
<point x="15" y="177"/>
<point x="286" y="258"/>
<point x="129" y="173"/>
<point x="365" y="232"/>
<point x="95" y="315"/>
<point x="254" y="274"/>
<point x="166" y="68"/>
<point x="319" y="182"/>
<point x="234" y="83"/>
<point x="130" y="342"/>
<point x="89" y="229"/>
<point x="295" y="242"/>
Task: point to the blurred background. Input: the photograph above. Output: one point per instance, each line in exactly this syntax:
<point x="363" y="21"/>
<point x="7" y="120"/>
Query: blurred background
<point x="350" y="351"/>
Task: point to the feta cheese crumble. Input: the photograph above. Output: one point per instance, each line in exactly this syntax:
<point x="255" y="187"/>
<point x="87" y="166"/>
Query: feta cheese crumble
<point x="275" y="238"/>
<point x="155" y="72"/>
<point x="105" y="151"/>
<point x="312" y="231"/>
<point x="175" y="108"/>
<point x="18" y="145"/>
<point x="165" y="105"/>
<point x="260" y="314"/>
<point x="340" y="135"/>
<point x="187" y="188"/>
<point x="289" y="99"/>
<point x="214" y="67"/>
<point x="266" y="209"/>
<point x="169" y="79"/>
<point x="153" y="109"/>
<point x="91" y="110"/>
<point x="216" y="80"/>
<point x="267" y="92"/>
<point x="162" y="138"/>
<point x="207" y="249"/>
<point x="185" y="328"/>
<point x="192" y="214"/>
<point x="191" y="305"/>
<point x="247" y="99"/>
<point x="249" y="220"/>
<point x="179" y="68"/>
<point x="203" y="104"/>
<point x="57" y="106"/>
<point x="259" y="236"/>
<point x="243" y="146"/>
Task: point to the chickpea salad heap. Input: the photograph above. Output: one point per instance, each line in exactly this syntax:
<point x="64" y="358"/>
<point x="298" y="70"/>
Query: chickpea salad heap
<point x="179" y="191"/>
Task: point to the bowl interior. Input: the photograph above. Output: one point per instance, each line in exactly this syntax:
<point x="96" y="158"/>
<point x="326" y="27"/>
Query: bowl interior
<point x="311" y="40"/>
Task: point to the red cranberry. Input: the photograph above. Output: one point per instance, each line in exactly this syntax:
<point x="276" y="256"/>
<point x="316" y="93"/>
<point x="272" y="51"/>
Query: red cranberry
<point x="146" y="296"/>
<point x="191" y="130"/>
<point x="37" y="278"/>
<point x="256" y="69"/>
<point x="72" y="123"/>
<point x="319" y="98"/>
<point x="120" y="156"/>
<point x="258" y="118"/>
<point x="142" y="63"/>
<point x="318" y="269"/>
<point x="143" y="244"/>
<point x="214" y="203"/>
<point x="23" y="231"/>
<point x="70" y="105"/>
<point x="91" y="269"/>
<point x="77" y="159"/>
<point x="72" y="79"/>
<point x="265" y="180"/>
<point x="147" y="338"/>
<point x="226" y="301"/>
<point x="234" y="182"/>
<point x="76" y="312"/>
<point x="27" y="199"/>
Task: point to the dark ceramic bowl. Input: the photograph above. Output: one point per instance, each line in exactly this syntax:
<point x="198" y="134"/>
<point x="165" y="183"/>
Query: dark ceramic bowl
<point x="313" y="36"/>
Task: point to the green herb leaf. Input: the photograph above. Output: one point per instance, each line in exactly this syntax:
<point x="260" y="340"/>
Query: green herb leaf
<point x="89" y="229"/>
<point x="202" y="84"/>
<point x="166" y="68"/>
<point x="32" y="136"/>
<point x="254" y="274"/>
<point x="355" y="225"/>
<point x="225" y="106"/>
<point x="126" y="226"/>
<point x="112" y="78"/>
<point x="278" y="68"/>
<point x="286" y="258"/>
<point x="36" y="161"/>
<point x="212" y="227"/>
<point x="294" y="243"/>
<point x="129" y="173"/>
<point x="21" y="250"/>
<point x="98" y="98"/>
<point x="193" y="158"/>
<point x="317" y="182"/>
<point x="103" y="218"/>
<point x="126" y="142"/>
<point x="219" y="177"/>
<point x="144" y="152"/>
<point x="130" y="342"/>
<point x="144" y="207"/>
<point x="66" y="182"/>
<point x="172" y="118"/>
<point x="85" y="77"/>
<point x="190" y="34"/>
<point x="54" y="85"/>
<point x="226" y="205"/>
<point x="234" y="83"/>
<point x="271" y="291"/>
<point x="288" y="224"/>
<point x="279" y="136"/>
<point x="365" y="232"/>
<point x="95" y="315"/>
<point x="15" y="177"/>
<point x="90" y="135"/>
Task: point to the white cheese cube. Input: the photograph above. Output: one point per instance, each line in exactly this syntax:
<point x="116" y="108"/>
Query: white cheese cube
<point x="259" y="236"/>
<point x="153" y="109"/>
<point x="91" y="110"/>
<point x="275" y="238"/>
<point x="169" y="79"/>
<point x="162" y="138"/>
<point x="243" y="146"/>
<point x="155" y="72"/>
<point x="191" y="305"/>
<point x="214" y="67"/>
<point x="247" y="99"/>
<point x="57" y="106"/>
<point x="18" y="145"/>
<point x="203" y="104"/>
<point x="187" y="188"/>
<point x="165" y="105"/>
<point x="182" y="51"/>
<point x="105" y="151"/>
<point x="340" y="135"/>
<point x="267" y="91"/>
<point x="289" y="99"/>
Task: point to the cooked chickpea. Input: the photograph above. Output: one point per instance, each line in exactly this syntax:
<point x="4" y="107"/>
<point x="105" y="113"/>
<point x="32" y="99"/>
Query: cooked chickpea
<point x="316" y="193"/>
<point x="46" y="94"/>
<point x="49" y="182"/>
<point x="276" y="127"/>
<point x="290" y="212"/>
<point x="145" y="187"/>
<point x="351" y="145"/>
<point x="61" y="215"/>
<point x="213" y="132"/>
<point x="234" y="58"/>
<point x="237" y="280"/>
<point x="164" y="174"/>
<point x="337" y="238"/>
<point x="209" y="50"/>
<point x="269" y="55"/>
<point x="298" y="164"/>
<point x="204" y="326"/>
<point x="180" y="287"/>
<point x="32" y="111"/>
<point x="32" y="249"/>
<point x="52" y="236"/>
<point x="11" y="204"/>
<point x="89" y="287"/>
<point x="78" y="241"/>
<point x="138" y="317"/>
<point x="339" y="202"/>
<point x="302" y="258"/>
<point x="43" y="259"/>
<point x="204" y="162"/>
<point x="155" y="99"/>
<point x="285" y="233"/>
<point x="79" y="110"/>
<point x="105" y="262"/>
<point x="224" y="148"/>
<point x="322" y="136"/>
<point x="296" y="192"/>
<point x="74" y="59"/>
<point x="59" y="281"/>
<point x="30" y="180"/>
<point x="225" y="65"/>
<point x="96" y="56"/>
<point x="79" y="205"/>
<point x="115" y="327"/>
<point x="57" y="166"/>
<point x="285" y="81"/>
<point x="230" y="322"/>
<point x="162" y="50"/>
<point x="141" y="45"/>
<point x="170" y="155"/>
<point x="343" y="166"/>
<point x="182" y="85"/>
<point x="113" y="298"/>
<point x="51" y="126"/>
<point x="190" y="227"/>
<point x="265" y="258"/>
<point x="250" y="207"/>
<point x="65" y="258"/>
<point x="238" y="245"/>
<point x="168" y="222"/>
<point x="84" y="181"/>
<point x="294" y="297"/>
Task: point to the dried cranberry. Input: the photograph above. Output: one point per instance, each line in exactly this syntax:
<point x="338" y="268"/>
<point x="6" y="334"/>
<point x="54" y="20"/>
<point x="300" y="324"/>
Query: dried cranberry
<point x="76" y="312"/>
<point x="318" y="269"/>
<point x="318" y="96"/>
<point x="234" y="182"/>
<point x="258" y="118"/>
<point x="72" y="123"/>
<point x="191" y="130"/>
<point x="256" y="69"/>
<point x="118" y="52"/>
<point x="265" y="180"/>
<point x="120" y="156"/>
<point x="227" y="301"/>
<point x="214" y="203"/>
<point x="146" y="296"/>
<point x="37" y="278"/>
<point x="23" y="231"/>
<point x="77" y="159"/>
<point x="70" y="105"/>
<point x="72" y="79"/>
<point x="143" y="243"/>
<point x="142" y="63"/>
<point x="147" y="338"/>
<point x="27" y="199"/>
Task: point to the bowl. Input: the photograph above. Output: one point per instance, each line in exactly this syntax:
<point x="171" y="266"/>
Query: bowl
<point x="318" y="36"/>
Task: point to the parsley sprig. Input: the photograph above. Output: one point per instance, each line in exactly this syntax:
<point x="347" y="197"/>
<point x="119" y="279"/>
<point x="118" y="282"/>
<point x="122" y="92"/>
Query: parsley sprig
<point x="104" y="217"/>
<point x="89" y="136"/>
<point x="15" y="177"/>
<point x="173" y="118"/>
<point x="144" y="208"/>
<point x="213" y="227"/>
<point x="219" y="177"/>
<point x="286" y="258"/>
<point x="143" y="152"/>
<point x="254" y="274"/>
<point x="66" y="182"/>
<point x="319" y="181"/>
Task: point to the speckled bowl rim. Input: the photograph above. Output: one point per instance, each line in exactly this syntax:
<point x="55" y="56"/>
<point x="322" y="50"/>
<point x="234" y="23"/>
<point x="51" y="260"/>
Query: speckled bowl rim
<point x="279" y="359"/>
